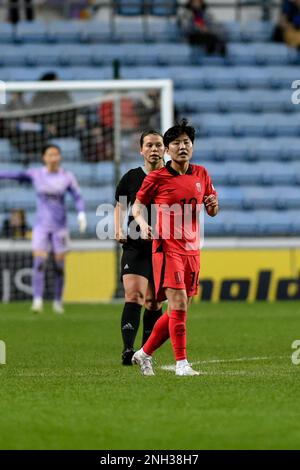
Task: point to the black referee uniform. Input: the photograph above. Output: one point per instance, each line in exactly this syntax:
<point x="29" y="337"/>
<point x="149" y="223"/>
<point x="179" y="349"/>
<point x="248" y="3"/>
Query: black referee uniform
<point x="137" y="254"/>
<point x="136" y="259"/>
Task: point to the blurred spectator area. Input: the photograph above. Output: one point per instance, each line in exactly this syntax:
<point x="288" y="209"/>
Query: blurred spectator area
<point x="248" y="129"/>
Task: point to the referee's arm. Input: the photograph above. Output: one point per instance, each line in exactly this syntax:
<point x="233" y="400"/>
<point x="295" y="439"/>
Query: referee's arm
<point x="120" y="213"/>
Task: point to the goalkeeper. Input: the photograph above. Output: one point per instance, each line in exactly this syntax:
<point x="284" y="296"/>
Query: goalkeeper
<point x="50" y="231"/>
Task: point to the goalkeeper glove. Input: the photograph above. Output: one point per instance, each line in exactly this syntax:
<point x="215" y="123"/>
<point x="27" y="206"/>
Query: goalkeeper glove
<point x="82" y="222"/>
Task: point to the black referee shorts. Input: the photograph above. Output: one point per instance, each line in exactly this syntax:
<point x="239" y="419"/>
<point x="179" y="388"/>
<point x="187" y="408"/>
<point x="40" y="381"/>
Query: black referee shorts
<point x="137" y="262"/>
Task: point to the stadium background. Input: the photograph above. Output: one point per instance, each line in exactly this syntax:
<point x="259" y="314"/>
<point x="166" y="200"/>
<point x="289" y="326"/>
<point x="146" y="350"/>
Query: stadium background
<point x="247" y="127"/>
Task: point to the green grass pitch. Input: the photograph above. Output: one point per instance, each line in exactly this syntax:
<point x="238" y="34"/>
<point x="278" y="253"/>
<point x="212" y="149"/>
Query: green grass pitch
<point x="63" y="386"/>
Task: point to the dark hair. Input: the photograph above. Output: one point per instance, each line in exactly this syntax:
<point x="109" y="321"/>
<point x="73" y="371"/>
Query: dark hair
<point x="49" y="146"/>
<point x="148" y="132"/>
<point x="49" y="76"/>
<point x="175" y="131"/>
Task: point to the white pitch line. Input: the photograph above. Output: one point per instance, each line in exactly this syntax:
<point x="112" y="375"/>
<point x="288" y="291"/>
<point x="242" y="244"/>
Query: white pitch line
<point x="226" y="361"/>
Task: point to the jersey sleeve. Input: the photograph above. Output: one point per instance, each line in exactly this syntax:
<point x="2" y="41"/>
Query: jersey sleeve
<point x="209" y="187"/>
<point x="122" y="188"/>
<point x="148" y="190"/>
<point x="21" y="176"/>
<point x="75" y="192"/>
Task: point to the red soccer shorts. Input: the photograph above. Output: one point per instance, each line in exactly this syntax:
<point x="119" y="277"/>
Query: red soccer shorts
<point x="175" y="271"/>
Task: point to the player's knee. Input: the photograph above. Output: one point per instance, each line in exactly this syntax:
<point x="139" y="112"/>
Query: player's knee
<point x="40" y="264"/>
<point x="136" y="297"/>
<point x="180" y="303"/>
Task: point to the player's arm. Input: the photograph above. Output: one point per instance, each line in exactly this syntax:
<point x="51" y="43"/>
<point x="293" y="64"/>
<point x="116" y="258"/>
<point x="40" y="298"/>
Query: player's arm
<point x="75" y="192"/>
<point x="20" y="176"/>
<point x="120" y="214"/>
<point x="210" y="198"/>
<point x="121" y="207"/>
<point x="211" y="205"/>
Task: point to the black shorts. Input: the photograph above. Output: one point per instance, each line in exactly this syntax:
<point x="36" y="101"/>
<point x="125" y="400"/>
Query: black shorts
<point x="137" y="262"/>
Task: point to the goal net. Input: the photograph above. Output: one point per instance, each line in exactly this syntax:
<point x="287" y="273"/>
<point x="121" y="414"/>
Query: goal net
<point x="97" y="125"/>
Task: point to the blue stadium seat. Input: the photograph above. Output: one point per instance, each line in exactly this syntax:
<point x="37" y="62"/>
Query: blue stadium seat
<point x="5" y="150"/>
<point x="215" y="226"/>
<point x="230" y="197"/>
<point x="257" y="31"/>
<point x="280" y="222"/>
<point x="233" y="31"/>
<point x="188" y="77"/>
<point x="261" y="197"/>
<point x="233" y="222"/>
<point x="173" y="54"/>
<point x="220" y="77"/>
<point x="261" y="54"/>
<point x="82" y="171"/>
<point x="288" y="197"/>
<point x="70" y="148"/>
<point x="9" y="166"/>
<point x="162" y="29"/>
<point x="74" y="55"/>
<point x="245" y="172"/>
<point x="249" y="124"/>
<point x="280" y="172"/>
<point x="23" y="197"/>
<point x="42" y="54"/>
<point x="163" y="8"/>
<point x="86" y="73"/>
<point x="223" y="148"/>
<point x="129" y="29"/>
<point x="6" y="32"/>
<point x="96" y="31"/>
<point x="94" y="196"/>
<point x="146" y="72"/>
<point x="279" y="124"/>
<point x="288" y="146"/>
<point x="281" y="77"/>
<point x="189" y="101"/>
<point x="65" y="31"/>
<point x="31" y="31"/>
<point x="218" y="171"/>
<point x="212" y="124"/>
<point x="12" y="56"/>
<point x="243" y="223"/>
<point x="104" y="172"/>
<point x="132" y="8"/>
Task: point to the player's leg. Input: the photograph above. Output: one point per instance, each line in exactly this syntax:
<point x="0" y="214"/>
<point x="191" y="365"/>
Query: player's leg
<point x="59" y="281"/>
<point x="179" y="302"/>
<point x="40" y="243"/>
<point x="135" y="287"/>
<point x="153" y="311"/>
<point x="59" y="241"/>
<point x="160" y="332"/>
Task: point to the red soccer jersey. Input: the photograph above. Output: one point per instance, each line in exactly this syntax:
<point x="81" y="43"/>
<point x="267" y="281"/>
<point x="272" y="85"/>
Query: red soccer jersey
<point x="177" y="199"/>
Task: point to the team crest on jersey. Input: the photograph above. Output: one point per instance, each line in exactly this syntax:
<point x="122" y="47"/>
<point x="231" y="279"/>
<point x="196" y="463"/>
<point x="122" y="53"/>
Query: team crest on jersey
<point x="198" y="186"/>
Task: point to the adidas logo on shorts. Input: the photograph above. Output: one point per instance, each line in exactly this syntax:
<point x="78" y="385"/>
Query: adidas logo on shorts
<point x="126" y="266"/>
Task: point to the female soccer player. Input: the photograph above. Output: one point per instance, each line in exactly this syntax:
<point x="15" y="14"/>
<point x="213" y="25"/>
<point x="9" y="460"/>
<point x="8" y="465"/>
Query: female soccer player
<point x="50" y="233"/>
<point x="178" y="189"/>
<point x="136" y="264"/>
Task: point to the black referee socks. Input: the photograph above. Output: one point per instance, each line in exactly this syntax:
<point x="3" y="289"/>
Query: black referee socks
<point x="149" y="320"/>
<point x="130" y="322"/>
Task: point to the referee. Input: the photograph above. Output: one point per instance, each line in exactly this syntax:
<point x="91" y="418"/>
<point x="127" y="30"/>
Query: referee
<point x="136" y="262"/>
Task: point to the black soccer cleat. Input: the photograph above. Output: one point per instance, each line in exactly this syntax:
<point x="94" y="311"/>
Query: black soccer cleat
<point x="127" y="356"/>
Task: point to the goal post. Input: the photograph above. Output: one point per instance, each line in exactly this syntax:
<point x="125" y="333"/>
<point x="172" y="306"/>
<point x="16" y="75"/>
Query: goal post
<point x="108" y="135"/>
